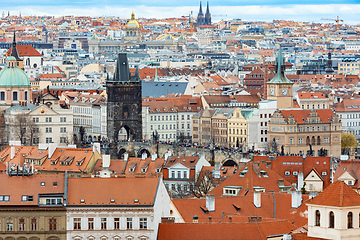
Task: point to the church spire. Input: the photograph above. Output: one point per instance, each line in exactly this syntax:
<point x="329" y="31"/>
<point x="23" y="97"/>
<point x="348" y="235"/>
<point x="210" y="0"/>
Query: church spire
<point x="207" y="9"/>
<point x="200" y="10"/>
<point x="14" y="51"/>
<point x="280" y="69"/>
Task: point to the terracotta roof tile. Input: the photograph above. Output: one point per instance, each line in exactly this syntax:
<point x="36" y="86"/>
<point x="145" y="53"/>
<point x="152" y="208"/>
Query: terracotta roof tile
<point x="123" y="190"/>
<point x="25" y="50"/>
<point x="338" y="194"/>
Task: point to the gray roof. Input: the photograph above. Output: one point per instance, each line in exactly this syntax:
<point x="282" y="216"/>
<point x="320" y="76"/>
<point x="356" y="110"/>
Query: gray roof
<point x="28" y="107"/>
<point x="158" y="89"/>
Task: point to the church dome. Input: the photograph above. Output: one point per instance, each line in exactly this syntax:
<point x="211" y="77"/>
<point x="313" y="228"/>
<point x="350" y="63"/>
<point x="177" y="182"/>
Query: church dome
<point x="13" y="76"/>
<point x="132" y="23"/>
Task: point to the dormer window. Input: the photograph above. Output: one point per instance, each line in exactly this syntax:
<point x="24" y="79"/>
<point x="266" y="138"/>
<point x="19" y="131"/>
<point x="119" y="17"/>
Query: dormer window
<point x="287" y="173"/>
<point x="324" y="174"/>
<point x="295" y="173"/>
<point x="131" y="170"/>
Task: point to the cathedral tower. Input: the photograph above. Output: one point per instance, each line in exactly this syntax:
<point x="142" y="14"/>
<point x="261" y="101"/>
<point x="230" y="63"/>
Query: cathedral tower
<point x="124" y="106"/>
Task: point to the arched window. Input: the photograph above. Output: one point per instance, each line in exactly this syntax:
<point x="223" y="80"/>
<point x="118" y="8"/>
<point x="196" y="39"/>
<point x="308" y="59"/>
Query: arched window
<point x="317" y="218"/>
<point x="350" y="220"/>
<point x="318" y="140"/>
<point x="307" y="140"/>
<point x="331" y="220"/>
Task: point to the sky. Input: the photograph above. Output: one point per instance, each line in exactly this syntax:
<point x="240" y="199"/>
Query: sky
<point x="262" y="10"/>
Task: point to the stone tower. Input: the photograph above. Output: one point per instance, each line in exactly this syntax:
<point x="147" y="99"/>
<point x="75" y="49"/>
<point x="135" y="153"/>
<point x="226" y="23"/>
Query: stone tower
<point x="280" y="88"/>
<point x="124" y="104"/>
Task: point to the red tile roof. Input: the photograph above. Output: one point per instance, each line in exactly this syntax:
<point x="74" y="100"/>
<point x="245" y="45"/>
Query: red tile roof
<point x="228" y="231"/>
<point x="25" y="50"/>
<point x="350" y="166"/>
<point x="250" y="176"/>
<point x="123" y="190"/>
<point x="17" y="186"/>
<point x="307" y="95"/>
<point x="338" y="194"/>
<point x="301" y="115"/>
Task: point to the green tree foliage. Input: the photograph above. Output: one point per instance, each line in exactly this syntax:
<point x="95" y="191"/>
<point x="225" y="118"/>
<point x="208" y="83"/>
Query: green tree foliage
<point x="348" y="141"/>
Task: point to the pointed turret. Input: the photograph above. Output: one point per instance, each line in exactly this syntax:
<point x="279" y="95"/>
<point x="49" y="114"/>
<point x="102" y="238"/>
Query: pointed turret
<point x="200" y="10"/>
<point x="207" y="15"/>
<point x="280" y="70"/>
<point x="122" y="72"/>
<point x="14" y="51"/>
<point x="137" y="74"/>
<point x="156" y="76"/>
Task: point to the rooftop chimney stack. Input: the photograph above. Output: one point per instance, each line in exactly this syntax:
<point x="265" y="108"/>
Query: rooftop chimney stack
<point x="126" y="157"/>
<point x="12" y="152"/>
<point x="106" y="161"/>
<point x="257" y="199"/>
<point x="210" y="202"/>
<point x="154" y="156"/>
<point x="143" y="156"/>
<point x="296" y="199"/>
<point x="300" y="184"/>
<point x="96" y="147"/>
<point x="51" y="149"/>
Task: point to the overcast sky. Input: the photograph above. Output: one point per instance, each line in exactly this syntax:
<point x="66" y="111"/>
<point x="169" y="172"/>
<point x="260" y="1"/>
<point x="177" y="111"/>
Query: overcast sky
<point x="262" y="10"/>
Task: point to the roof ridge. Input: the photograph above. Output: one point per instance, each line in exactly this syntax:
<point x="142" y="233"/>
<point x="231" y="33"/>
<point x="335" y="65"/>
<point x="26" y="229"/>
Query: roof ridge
<point x="341" y="194"/>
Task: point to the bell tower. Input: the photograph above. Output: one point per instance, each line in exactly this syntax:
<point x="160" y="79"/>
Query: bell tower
<point x="280" y="88"/>
<point x="124" y="106"/>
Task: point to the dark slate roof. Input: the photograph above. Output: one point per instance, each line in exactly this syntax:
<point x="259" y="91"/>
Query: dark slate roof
<point x="158" y="89"/>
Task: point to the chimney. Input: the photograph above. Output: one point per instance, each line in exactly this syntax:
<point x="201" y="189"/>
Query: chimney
<point x="210" y="202"/>
<point x="230" y="219"/>
<point x="300" y="183"/>
<point x="143" y="156"/>
<point x="106" y="161"/>
<point x="257" y="199"/>
<point x="96" y="147"/>
<point x="126" y="157"/>
<point x="51" y="149"/>
<point x="195" y="219"/>
<point x="154" y="156"/>
<point x="12" y="152"/>
<point x="296" y="199"/>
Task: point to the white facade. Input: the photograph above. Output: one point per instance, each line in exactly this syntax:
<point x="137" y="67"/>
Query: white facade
<point x="258" y="126"/>
<point x="118" y="222"/>
<point x="340" y="231"/>
<point x="350" y="122"/>
<point x="50" y="125"/>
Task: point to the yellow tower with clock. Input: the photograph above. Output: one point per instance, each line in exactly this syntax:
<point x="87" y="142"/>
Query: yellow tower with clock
<point x="280" y="88"/>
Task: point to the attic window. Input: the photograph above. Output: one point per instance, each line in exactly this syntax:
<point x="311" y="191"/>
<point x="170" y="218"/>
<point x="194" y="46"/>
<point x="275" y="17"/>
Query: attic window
<point x="131" y="169"/>
<point x="42" y="184"/>
<point x="54" y="184"/>
<point x="86" y="151"/>
<point x="295" y="173"/>
<point x="287" y="173"/>
<point x="158" y="170"/>
<point x="136" y="200"/>
<point x="143" y="170"/>
<point x="82" y="200"/>
<point x="324" y="174"/>
<point x="112" y="200"/>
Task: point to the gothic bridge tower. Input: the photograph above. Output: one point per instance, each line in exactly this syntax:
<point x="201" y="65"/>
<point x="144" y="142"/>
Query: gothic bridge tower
<point x="124" y="104"/>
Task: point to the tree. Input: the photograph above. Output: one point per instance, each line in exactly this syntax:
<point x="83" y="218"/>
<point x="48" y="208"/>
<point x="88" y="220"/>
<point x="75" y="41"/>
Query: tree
<point x="202" y="184"/>
<point x="348" y="141"/>
<point x="25" y="129"/>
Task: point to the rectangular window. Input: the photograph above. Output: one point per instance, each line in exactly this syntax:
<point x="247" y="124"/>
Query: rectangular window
<point x="77" y="223"/>
<point x="33" y="224"/>
<point x="49" y="140"/>
<point x="15" y="96"/>
<point x="2" y="96"/>
<point x="129" y="223"/>
<point x="185" y="174"/>
<point x="21" y="224"/>
<point x="62" y="119"/>
<point x="63" y="129"/>
<point x="26" y="198"/>
<point x="116" y="223"/>
<point x="103" y="223"/>
<point x="62" y="139"/>
<point x="91" y="223"/>
<point x="172" y="174"/>
<point x="9" y="225"/>
<point x="48" y="129"/>
<point x="179" y="174"/>
<point x="143" y="223"/>
<point x="52" y="224"/>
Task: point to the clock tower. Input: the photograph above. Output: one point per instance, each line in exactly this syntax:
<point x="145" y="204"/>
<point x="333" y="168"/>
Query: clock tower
<point x="280" y="88"/>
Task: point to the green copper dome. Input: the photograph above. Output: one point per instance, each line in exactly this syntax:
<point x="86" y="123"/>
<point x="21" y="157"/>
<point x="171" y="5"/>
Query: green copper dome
<point x="13" y="77"/>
